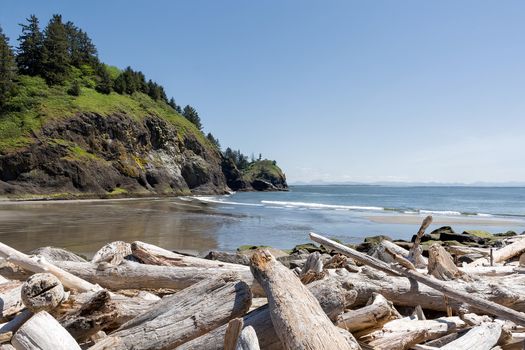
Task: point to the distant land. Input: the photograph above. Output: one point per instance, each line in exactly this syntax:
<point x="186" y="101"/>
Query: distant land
<point x="407" y="184"/>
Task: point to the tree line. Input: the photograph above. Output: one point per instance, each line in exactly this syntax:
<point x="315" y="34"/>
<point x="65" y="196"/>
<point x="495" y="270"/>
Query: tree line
<point x="52" y="53"/>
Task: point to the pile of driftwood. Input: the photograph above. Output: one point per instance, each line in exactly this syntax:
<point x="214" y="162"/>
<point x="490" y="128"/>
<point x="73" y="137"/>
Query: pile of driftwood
<point x="140" y="296"/>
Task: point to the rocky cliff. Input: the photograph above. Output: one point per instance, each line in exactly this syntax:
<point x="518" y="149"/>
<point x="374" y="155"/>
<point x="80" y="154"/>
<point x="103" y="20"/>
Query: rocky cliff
<point x="91" y="155"/>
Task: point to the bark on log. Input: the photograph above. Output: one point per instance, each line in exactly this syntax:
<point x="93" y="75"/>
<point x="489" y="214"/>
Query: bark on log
<point x="131" y="275"/>
<point x="232" y="258"/>
<point x="501" y="255"/>
<point x="37" y="265"/>
<point x="112" y="253"/>
<point x="415" y="254"/>
<point x="292" y="306"/>
<point x="43" y="332"/>
<point x="329" y="292"/>
<point x="233" y="331"/>
<point x="443" y="287"/>
<point x="183" y="316"/>
<point x="42" y="292"/>
<point x="404" y="333"/>
<point x="374" y="315"/>
<point x="482" y="337"/>
<point x="248" y="340"/>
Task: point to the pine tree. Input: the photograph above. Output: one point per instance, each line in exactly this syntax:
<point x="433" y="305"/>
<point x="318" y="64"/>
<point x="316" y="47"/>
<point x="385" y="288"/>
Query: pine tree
<point x="213" y="140"/>
<point x="172" y="103"/>
<point x="105" y="84"/>
<point x="191" y="114"/>
<point x="120" y="84"/>
<point x="29" y="55"/>
<point x="7" y="69"/>
<point x="80" y="47"/>
<point x="55" y="52"/>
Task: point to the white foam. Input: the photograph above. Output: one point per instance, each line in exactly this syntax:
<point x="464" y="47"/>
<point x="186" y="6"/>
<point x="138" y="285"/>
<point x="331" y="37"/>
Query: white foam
<point x="222" y="200"/>
<point x="319" y="205"/>
<point x="440" y="212"/>
<point x="484" y="215"/>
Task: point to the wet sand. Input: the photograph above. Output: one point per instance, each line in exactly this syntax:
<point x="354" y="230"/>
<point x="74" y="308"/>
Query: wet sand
<point x="443" y="220"/>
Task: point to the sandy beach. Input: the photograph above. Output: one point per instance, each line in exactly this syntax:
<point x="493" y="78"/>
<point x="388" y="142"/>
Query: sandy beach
<point x="443" y="220"/>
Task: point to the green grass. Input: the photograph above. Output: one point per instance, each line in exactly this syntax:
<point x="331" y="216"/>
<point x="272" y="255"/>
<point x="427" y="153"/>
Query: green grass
<point x="36" y="104"/>
<point x="257" y="168"/>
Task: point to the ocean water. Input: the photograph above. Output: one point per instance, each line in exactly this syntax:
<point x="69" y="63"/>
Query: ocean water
<point x="349" y="213"/>
<point x="278" y="219"/>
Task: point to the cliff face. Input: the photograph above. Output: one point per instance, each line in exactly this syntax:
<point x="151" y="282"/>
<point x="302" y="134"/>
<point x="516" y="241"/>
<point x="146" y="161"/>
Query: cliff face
<point x="93" y="155"/>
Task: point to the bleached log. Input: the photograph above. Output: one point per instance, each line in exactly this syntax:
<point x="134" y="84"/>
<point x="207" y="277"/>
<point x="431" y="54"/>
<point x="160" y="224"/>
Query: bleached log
<point x="381" y="252"/>
<point x="83" y="315"/>
<point x="482" y="337"/>
<point x="329" y="292"/>
<point x="313" y="263"/>
<point x="503" y="254"/>
<point x="132" y="275"/>
<point x="441" y="265"/>
<point x="183" y="316"/>
<point x="374" y="315"/>
<point x="292" y="306"/>
<point x="42" y="292"/>
<point x="112" y="253"/>
<point x="403" y="333"/>
<point x="53" y="254"/>
<point x="415" y="254"/>
<point x="10" y="300"/>
<point x="232" y="258"/>
<point x="443" y="287"/>
<point x="153" y="255"/>
<point x="9" y="328"/>
<point x="38" y="265"/>
<point x="43" y="332"/>
<point x="248" y="340"/>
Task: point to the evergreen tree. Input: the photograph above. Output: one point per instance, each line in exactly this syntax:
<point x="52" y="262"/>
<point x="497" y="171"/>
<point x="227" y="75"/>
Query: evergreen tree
<point x="191" y="114"/>
<point x="153" y="90"/>
<point x="213" y="140"/>
<point x="80" y="47"/>
<point x="172" y="103"/>
<point x="104" y="84"/>
<point x="7" y="69"/>
<point x="120" y="84"/>
<point x="29" y="57"/>
<point x="74" y="90"/>
<point x="55" y="52"/>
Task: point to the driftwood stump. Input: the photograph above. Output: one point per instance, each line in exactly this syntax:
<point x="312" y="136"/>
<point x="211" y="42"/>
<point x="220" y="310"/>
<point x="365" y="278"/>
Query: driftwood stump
<point x="42" y="292"/>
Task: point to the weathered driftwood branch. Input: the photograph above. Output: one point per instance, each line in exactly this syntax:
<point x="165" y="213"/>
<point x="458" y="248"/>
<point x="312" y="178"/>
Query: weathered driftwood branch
<point x="403" y="333"/>
<point x="441" y="265"/>
<point x="112" y="253"/>
<point x="38" y="265"/>
<point x="501" y="255"/>
<point x="10" y="300"/>
<point x="415" y="254"/>
<point x="329" y="292"/>
<point x="473" y="300"/>
<point x="374" y="315"/>
<point x="132" y="275"/>
<point x="292" y="306"/>
<point x="153" y="255"/>
<point x="43" y="332"/>
<point x="9" y="328"/>
<point x="482" y="337"/>
<point x="183" y="316"/>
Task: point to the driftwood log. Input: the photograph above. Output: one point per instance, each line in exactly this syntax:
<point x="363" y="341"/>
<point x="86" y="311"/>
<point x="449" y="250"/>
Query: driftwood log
<point x="292" y="306"/>
<point x="329" y="292"/>
<point x="441" y="265"/>
<point x="112" y="253"/>
<point x="42" y="292"/>
<point x="404" y="333"/>
<point x="482" y="337"/>
<point x="183" y="316"/>
<point x="478" y="302"/>
<point x="43" y="332"/>
<point x="503" y="254"/>
<point x="10" y="300"/>
<point x="233" y="331"/>
<point x="248" y="340"/>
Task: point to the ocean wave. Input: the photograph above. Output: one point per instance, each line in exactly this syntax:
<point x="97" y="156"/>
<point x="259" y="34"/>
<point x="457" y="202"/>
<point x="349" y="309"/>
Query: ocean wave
<point x="222" y="200"/>
<point x="320" y="206"/>
<point x="440" y="212"/>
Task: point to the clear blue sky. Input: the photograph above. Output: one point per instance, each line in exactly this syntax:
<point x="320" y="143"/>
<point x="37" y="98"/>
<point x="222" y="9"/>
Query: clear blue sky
<point x="333" y="90"/>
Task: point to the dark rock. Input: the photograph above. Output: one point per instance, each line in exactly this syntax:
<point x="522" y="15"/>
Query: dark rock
<point x="506" y="234"/>
<point x="461" y="238"/>
<point x="262" y="185"/>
